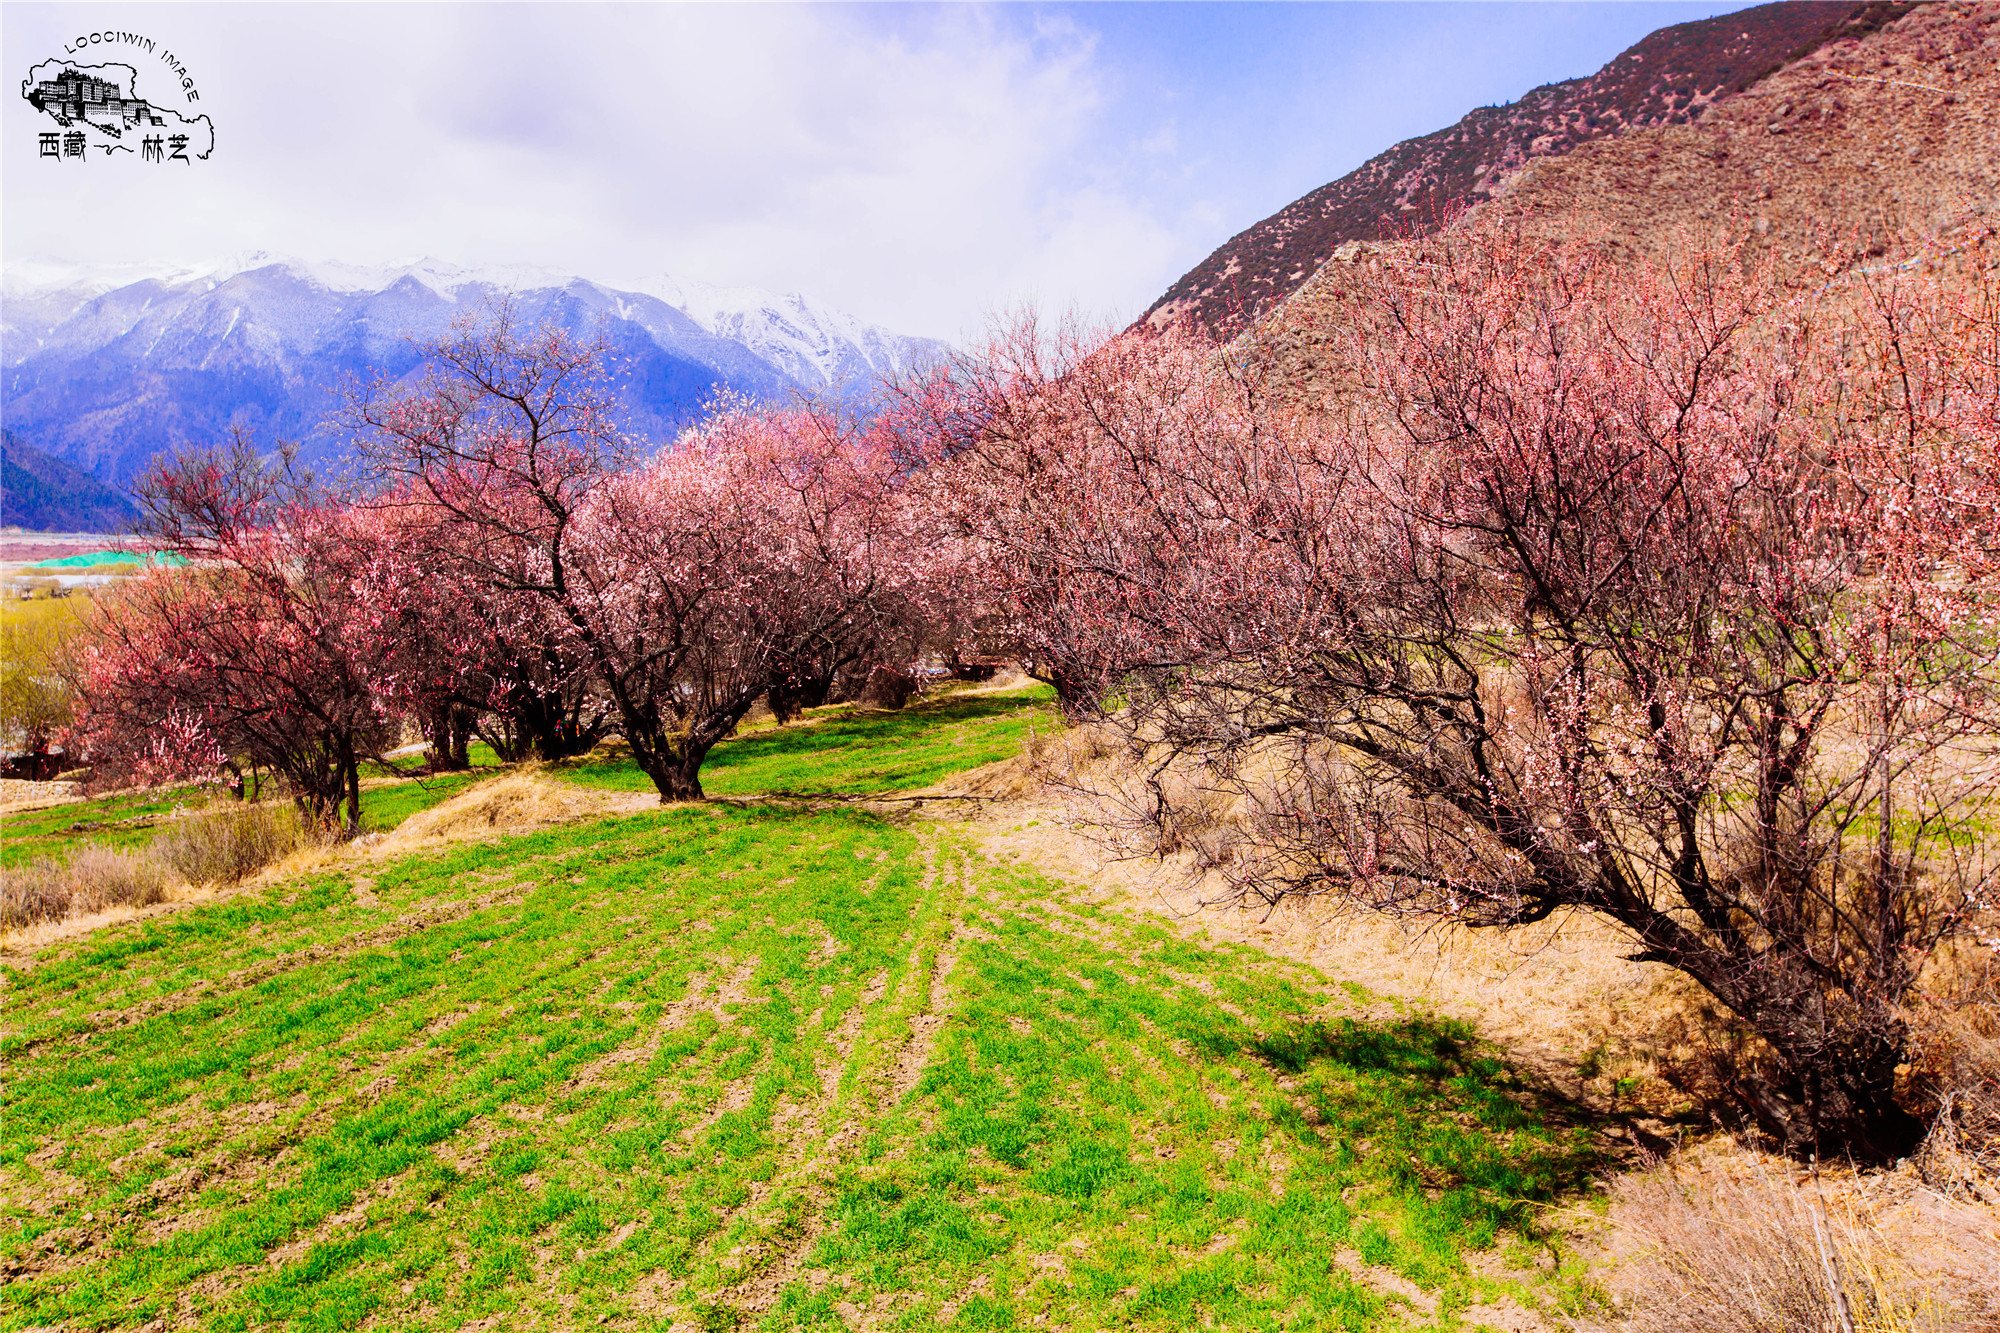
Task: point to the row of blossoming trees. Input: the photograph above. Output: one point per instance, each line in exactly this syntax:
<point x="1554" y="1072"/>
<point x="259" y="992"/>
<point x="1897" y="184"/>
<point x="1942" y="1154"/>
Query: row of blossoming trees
<point x="509" y="561"/>
<point x="1657" y="593"/>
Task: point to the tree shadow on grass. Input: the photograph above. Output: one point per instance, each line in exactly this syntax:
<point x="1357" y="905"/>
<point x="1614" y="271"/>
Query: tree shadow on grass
<point x="1450" y="1127"/>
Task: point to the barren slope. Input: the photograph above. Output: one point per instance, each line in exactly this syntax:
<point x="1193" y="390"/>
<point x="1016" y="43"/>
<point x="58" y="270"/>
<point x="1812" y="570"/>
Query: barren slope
<point x="1894" y="132"/>
<point x="1674" y="76"/>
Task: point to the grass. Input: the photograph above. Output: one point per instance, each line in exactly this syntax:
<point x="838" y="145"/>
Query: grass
<point x="131" y="820"/>
<point x="745" y="1068"/>
<point x="121" y="822"/>
<point x="478" y="754"/>
<point x="840" y="750"/>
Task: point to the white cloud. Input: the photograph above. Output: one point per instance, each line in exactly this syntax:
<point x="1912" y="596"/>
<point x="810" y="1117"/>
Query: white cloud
<point x="916" y="167"/>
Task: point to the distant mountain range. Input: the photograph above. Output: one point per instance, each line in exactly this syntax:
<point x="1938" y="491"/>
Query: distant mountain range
<point x="1673" y="77"/>
<point x="106" y="368"/>
<point x="45" y="494"/>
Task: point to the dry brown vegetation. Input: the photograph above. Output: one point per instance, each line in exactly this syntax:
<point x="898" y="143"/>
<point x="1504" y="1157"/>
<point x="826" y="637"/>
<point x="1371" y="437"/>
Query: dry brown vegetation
<point x="91" y="879"/>
<point x="1892" y="134"/>
<point x="228" y="844"/>
<point x="220" y="846"/>
<point x="518" y="800"/>
<point x="1955" y="1075"/>
<point x="1738" y="1243"/>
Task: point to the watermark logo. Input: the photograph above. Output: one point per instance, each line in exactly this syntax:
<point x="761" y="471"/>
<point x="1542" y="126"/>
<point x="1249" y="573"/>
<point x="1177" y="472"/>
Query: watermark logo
<point x="110" y="109"/>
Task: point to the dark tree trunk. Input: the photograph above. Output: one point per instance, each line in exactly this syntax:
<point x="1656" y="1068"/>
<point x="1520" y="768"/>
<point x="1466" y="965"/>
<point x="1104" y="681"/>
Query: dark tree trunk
<point x="973" y="671"/>
<point x="461" y="737"/>
<point x="352" y="782"/>
<point x="1072" y="692"/>
<point x="888" y="688"/>
<point x="785" y="702"/>
<point x="678" y="777"/>
<point x="1839" y="1096"/>
<point x="553" y="727"/>
<point x="673" y="758"/>
<point x="448" y="729"/>
<point x="789" y="700"/>
<point x="1833" y="1087"/>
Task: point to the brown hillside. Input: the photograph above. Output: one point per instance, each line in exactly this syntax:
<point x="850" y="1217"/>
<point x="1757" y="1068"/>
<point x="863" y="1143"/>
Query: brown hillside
<point x="1674" y="76"/>
<point x="1899" y="129"/>
<point x="1894" y="131"/>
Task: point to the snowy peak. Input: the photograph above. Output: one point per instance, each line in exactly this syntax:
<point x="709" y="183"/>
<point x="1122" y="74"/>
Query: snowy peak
<point x="104" y="367"/>
<point x="809" y="341"/>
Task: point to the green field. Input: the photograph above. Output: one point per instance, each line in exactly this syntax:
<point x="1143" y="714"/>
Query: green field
<point x="844" y="751"/>
<point x="752" y="1067"/>
<point x="125" y="821"/>
<point x="132" y="820"/>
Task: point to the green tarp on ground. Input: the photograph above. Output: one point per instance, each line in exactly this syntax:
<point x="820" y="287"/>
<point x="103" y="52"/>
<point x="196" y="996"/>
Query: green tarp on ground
<point x="109" y="558"/>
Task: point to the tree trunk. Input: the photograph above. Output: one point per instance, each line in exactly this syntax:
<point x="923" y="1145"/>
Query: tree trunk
<point x="678" y="777"/>
<point x="785" y="702"/>
<point x="1848" y="1096"/>
<point x="1828" y="1083"/>
<point x="551" y="727"/>
<point x="789" y="698"/>
<point x="1072" y="694"/>
<point x="318" y="788"/>
<point x="673" y="760"/>
<point x="461" y="736"/>
<point x="1834" y="1088"/>
<point x="445" y="729"/>
<point x="351" y="782"/>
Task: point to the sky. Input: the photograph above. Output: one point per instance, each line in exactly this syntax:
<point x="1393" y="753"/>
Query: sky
<point x="921" y="166"/>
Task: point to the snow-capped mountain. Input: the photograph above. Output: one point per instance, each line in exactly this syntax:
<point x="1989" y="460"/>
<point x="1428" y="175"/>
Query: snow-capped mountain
<point x="106" y="367"/>
<point x="808" y="341"/>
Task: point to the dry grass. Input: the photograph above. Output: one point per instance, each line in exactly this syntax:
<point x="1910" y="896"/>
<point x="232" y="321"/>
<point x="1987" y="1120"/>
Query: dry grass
<point x="521" y="799"/>
<point x="1733" y="1242"/>
<point x="229" y="843"/>
<point x="91" y="879"/>
<point x="224" y="845"/>
<point x="1954" y="1075"/>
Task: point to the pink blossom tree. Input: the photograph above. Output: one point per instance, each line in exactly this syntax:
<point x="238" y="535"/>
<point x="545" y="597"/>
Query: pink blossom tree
<point x="747" y="556"/>
<point x="260" y="648"/>
<point x="465" y="659"/>
<point x="1084" y="489"/>
<point x="1658" y="595"/>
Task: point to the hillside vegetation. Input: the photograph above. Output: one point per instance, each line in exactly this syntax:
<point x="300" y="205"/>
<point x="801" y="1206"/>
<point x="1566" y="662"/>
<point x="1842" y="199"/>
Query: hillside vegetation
<point x="750" y="1065"/>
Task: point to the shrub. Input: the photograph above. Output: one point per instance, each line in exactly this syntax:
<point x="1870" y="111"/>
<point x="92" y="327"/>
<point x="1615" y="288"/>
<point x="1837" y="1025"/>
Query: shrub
<point x="232" y="842"/>
<point x="91" y="880"/>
